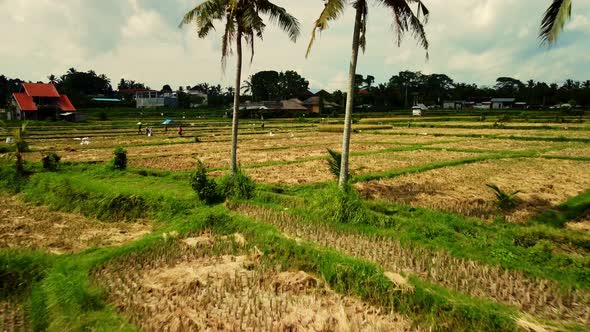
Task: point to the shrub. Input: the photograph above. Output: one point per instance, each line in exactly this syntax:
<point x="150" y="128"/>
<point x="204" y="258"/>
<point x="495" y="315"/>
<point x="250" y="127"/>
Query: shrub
<point x="197" y="139"/>
<point x="103" y="116"/>
<point x="504" y="200"/>
<point x="205" y="188"/>
<point x="120" y="160"/>
<point x="237" y="186"/>
<point x="344" y="206"/>
<point x="51" y="162"/>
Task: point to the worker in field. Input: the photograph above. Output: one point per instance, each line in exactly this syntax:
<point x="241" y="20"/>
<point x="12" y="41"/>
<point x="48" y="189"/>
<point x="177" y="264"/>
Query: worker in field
<point x="180" y="131"/>
<point x="139" y="126"/>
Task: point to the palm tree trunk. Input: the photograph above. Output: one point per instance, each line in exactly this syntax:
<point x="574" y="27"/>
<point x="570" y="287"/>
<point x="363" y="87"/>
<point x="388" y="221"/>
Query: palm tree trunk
<point x="234" y="141"/>
<point x="343" y="180"/>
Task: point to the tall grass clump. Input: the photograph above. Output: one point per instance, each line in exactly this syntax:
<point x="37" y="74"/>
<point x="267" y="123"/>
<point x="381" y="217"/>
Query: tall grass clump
<point x="237" y="186"/>
<point x="205" y="188"/>
<point x="51" y="162"/>
<point x="11" y="180"/>
<point x="340" y="206"/>
<point x="120" y="160"/>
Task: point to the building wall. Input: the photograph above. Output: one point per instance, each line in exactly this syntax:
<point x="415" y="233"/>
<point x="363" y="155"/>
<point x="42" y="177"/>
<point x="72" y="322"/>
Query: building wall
<point x="150" y="102"/>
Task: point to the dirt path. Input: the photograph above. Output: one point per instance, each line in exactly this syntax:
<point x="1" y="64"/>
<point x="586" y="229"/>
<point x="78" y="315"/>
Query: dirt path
<point x="26" y="226"/>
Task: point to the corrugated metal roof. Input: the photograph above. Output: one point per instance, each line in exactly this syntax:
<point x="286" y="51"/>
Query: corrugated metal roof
<point x="40" y="90"/>
<point x="503" y="100"/>
<point x="24" y="102"/>
<point x="65" y="104"/>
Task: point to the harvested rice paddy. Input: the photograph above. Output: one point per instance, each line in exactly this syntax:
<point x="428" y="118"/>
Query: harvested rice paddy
<point x="542" y="185"/>
<point x="424" y="245"/>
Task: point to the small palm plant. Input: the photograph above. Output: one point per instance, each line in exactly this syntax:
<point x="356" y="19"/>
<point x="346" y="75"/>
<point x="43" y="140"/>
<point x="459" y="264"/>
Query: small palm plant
<point x="19" y="145"/>
<point x="504" y="200"/>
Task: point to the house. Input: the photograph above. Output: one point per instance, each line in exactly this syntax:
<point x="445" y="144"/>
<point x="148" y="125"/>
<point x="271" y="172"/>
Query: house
<point x="38" y="101"/>
<point x="284" y="108"/>
<point x="316" y="104"/>
<point x="146" y="98"/>
<point x="502" y="103"/>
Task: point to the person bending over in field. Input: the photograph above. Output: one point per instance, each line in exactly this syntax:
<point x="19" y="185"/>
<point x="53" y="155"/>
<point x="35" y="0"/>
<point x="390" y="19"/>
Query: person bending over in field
<point x="180" y="131"/>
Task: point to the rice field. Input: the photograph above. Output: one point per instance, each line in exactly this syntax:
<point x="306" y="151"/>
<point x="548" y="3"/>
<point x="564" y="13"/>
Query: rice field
<point x="25" y="226"/>
<point x="192" y="287"/>
<point x="433" y="248"/>
<point x="542" y="184"/>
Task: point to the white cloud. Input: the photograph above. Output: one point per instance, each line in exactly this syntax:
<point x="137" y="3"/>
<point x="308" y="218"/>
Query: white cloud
<point x="579" y="23"/>
<point x="473" y="41"/>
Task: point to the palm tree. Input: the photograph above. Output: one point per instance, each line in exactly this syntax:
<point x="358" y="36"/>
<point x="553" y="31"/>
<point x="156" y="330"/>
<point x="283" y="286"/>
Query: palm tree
<point x="554" y="20"/>
<point x="242" y="21"/>
<point x="404" y="20"/>
<point x="52" y="79"/>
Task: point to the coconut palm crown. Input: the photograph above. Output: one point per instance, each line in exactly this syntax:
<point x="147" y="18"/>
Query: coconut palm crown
<point x="404" y="20"/>
<point x="241" y="19"/>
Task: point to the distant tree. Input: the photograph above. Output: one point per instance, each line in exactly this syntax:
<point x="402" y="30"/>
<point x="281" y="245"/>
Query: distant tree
<point x="52" y="79"/>
<point x="272" y="85"/>
<point x="265" y="85"/>
<point x="166" y="89"/>
<point x="292" y="85"/>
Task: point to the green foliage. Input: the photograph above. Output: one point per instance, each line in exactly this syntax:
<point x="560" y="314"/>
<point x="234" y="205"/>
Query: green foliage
<point x="542" y="252"/>
<point x="103" y="116"/>
<point x="205" y="188"/>
<point x="120" y="160"/>
<point x="504" y="200"/>
<point x="343" y="206"/>
<point x="20" y="269"/>
<point x="11" y="180"/>
<point x="334" y="162"/>
<point x="237" y="186"/>
<point x="51" y="162"/>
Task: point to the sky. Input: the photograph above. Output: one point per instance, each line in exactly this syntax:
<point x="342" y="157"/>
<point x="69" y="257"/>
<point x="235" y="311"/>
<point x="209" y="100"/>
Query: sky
<point x="473" y="41"/>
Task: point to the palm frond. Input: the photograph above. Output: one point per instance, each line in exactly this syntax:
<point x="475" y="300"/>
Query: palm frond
<point x="554" y="20"/>
<point x="229" y="36"/>
<point x="405" y="20"/>
<point x="334" y="162"/>
<point x="333" y="9"/>
<point x="361" y="5"/>
<point x="281" y="17"/>
<point x="203" y="16"/>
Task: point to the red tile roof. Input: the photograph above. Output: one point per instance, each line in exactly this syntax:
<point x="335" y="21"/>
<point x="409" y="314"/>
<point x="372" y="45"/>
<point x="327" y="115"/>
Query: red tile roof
<point x="24" y="102"/>
<point x="65" y="104"/>
<point x="40" y="90"/>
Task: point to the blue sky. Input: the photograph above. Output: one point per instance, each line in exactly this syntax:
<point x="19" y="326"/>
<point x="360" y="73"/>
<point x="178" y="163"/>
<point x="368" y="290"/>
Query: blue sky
<point x="473" y="41"/>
